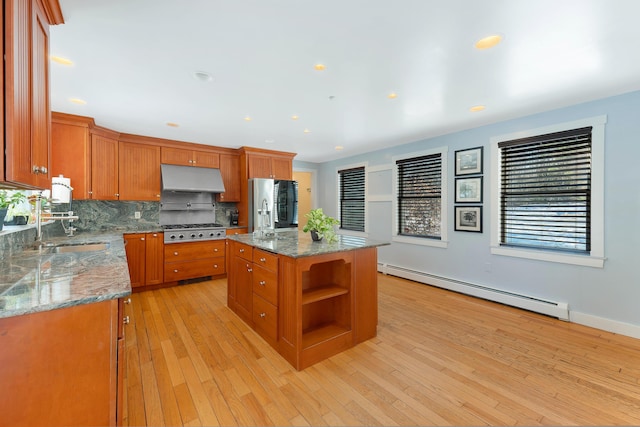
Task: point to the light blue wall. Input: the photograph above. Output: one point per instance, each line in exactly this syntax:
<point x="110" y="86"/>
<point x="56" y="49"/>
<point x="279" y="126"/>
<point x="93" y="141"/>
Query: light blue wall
<point x="611" y="293"/>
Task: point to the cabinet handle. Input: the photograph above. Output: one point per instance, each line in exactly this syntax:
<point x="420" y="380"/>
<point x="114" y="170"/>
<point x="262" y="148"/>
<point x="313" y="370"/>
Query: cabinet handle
<point x="175" y="271"/>
<point x="142" y="238"/>
<point x="241" y="251"/>
<point x="125" y="320"/>
<point x="215" y="250"/>
<point x="262" y="283"/>
<point x="155" y="235"/>
<point x="263" y="260"/>
<point x="175" y="253"/>
<point x="157" y="195"/>
<point x="249" y="270"/>
<point x="127" y="301"/>
<point x="263" y="315"/>
<point x="117" y="194"/>
<point x="215" y="265"/>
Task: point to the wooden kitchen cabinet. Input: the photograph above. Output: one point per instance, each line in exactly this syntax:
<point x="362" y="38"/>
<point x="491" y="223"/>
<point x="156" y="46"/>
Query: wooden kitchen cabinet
<point x="104" y="165"/>
<point x="145" y="257"/>
<point x="71" y="151"/>
<point x="186" y="157"/>
<point x="138" y="171"/>
<point x="230" y="171"/>
<point x="27" y="133"/>
<point x="191" y="260"/>
<point x="63" y="367"/>
<point x="269" y="166"/>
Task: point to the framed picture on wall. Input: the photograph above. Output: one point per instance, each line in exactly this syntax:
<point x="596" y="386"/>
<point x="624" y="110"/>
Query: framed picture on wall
<point x="469" y="190"/>
<point x="468" y="218"/>
<point x="469" y="161"/>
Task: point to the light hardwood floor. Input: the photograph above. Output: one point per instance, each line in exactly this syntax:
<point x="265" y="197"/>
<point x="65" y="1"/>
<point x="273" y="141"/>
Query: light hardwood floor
<point x="440" y="358"/>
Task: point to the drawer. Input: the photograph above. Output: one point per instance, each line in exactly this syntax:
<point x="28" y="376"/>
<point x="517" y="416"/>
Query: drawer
<point x="265" y="259"/>
<point x="265" y="318"/>
<point x="183" y="270"/>
<point x="193" y="250"/>
<point x="265" y="284"/>
<point x="243" y="251"/>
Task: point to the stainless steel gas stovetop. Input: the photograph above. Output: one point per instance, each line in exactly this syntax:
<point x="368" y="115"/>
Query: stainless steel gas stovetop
<point x="193" y="232"/>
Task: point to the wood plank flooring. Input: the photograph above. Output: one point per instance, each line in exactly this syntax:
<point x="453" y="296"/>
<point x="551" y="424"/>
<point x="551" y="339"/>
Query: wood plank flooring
<point x="440" y="358"/>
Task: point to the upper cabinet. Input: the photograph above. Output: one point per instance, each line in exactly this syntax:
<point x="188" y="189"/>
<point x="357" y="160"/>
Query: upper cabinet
<point x="267" y="164"/>
<point x="139" y="171"/>
<point x="104" y="165"/>
<point x="186" y="157"/>
<point x="230" y="171"/>
<point x="71" y="151"/>
<point x="26" y="91"/>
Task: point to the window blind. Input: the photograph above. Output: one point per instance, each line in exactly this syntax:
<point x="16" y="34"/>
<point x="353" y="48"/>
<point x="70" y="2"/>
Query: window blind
<point x="352" y="199"/>
<point x="545" y="197"/>
<point x="419" y="196"/>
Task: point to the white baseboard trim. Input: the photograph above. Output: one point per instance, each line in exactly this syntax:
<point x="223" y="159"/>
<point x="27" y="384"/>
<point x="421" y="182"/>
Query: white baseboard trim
<point x="605" y="324"/>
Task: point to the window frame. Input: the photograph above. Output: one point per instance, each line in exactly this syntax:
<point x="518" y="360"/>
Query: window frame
<point x="444" y="197"/>
<point x="596" y="257"/>
<point x="341" y="230"/>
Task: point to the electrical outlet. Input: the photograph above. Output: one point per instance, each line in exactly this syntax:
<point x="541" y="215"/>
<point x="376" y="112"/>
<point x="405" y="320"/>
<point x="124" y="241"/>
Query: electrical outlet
<point x="137" y="215"/>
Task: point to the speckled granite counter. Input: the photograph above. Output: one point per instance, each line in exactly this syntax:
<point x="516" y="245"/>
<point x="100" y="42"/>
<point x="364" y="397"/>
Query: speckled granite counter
<point x="40" y="279"/>
<point x="296" y="244"/>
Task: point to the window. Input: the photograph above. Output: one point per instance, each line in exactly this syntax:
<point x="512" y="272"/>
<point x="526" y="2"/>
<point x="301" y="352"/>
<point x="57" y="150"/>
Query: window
<point x="545" y="191"/>
<point x="549" y="202"/>
<point x="352" y="198"/>
<point x="420" y="198"/>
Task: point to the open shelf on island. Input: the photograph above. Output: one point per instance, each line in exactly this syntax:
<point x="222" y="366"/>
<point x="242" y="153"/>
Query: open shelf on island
<point x="320" y="293"/>
<point x="321" y="334"/>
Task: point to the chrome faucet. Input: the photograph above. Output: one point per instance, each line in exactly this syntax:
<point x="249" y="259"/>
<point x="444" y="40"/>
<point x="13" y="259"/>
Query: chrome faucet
<point x="53" y="216"/>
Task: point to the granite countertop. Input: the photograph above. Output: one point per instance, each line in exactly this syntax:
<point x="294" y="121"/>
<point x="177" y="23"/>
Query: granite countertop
<point x="40" y="279"/>
<point x="296" y="244"/>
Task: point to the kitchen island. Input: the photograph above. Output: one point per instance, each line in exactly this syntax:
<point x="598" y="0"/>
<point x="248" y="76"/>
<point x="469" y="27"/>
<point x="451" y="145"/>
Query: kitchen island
<point x="62" y="332"/>
<point x="308" y="300"/>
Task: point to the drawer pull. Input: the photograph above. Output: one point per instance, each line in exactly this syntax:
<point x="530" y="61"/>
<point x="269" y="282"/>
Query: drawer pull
<point x="262" y="283"/>
<point x="215" y="265"/>
<point x="215" y="250"/>
<point x="175" y="271"/>
<point x="175" y="253"/>
<point x="127" y="301"/>
<point x="263" y="315"/>
<point x="125" y="320"/>
<point x="249" y="269"/>
<point x="241" y="251"/>
<point x="263" y="260"/>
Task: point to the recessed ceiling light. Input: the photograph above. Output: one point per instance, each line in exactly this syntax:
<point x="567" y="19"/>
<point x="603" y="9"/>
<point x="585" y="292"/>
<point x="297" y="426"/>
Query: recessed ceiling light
<point x="392" y="95"/>
<point x="339" y="147"/>
<point x="60" y="60"/>
<point x="319" y="67"/>
<point x="477" y="108"/>
<point x="247" y="119"/>
<point x="78" y="101"/>
<point x="203" y="76"/>
<point x="307" y="131"/>
<point x="294" y="117"/>
<point x="489" y="41"/>
<point x="173" y="125"/>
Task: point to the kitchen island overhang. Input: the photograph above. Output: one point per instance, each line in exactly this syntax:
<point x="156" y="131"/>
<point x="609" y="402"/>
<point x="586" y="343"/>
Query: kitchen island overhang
<point x="309" y="300"/>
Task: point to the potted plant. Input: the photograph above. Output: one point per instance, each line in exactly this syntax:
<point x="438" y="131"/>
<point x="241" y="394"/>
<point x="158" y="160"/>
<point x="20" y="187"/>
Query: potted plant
<point x="9" y="199"/>
<point x="320" y="225"/>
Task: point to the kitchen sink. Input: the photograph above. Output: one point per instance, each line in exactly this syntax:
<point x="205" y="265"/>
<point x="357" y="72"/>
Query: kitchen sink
<point x="80" y="247"/>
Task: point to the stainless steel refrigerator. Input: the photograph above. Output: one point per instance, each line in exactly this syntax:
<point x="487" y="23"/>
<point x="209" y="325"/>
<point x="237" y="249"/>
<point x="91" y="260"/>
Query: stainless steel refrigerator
<point x="273" y="204"/>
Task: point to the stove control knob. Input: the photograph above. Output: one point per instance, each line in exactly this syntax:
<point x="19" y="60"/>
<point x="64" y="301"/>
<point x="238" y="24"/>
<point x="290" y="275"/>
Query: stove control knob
<point x="201" y="235"/>
<point x="180" y="236"/>
<point x="212" y="234"/>
<point x="193" y="235"/>
<point x="173" y="236"/>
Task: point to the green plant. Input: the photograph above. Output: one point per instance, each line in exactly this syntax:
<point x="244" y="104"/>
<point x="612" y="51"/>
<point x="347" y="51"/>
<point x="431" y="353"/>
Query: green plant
<point x="322" y="224"/>
<point x="10" y="198"/>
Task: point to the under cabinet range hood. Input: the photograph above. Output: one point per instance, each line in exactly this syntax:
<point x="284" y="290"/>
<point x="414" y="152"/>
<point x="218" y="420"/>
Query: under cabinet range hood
<point x="191" y="179"/>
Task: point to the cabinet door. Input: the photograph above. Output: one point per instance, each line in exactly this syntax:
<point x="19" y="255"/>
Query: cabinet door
<point x="104" y="168"/>
<point x="154" y="259"/>
<point x="139" y="171"/>
<point x="135" y="247"/>
<point x="282" y="168"/>
<point x="230" y="171"/>
<point x="259" y="166"/>
<point x="71" y="156"/>
<point x="205" y="159"/>
<point x="243" y="288"/>
<point x="26" y="94"/>
<point x="176" y="156"/>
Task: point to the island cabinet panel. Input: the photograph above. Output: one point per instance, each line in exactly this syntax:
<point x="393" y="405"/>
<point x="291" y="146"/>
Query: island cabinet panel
<point x="242" y="273"/>
<point x="138" y="171"/>
<point x="62" y="367"/>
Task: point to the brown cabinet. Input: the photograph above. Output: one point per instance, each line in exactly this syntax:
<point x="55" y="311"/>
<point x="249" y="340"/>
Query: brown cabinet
<point x="104" y="165"/>
<point x="190" y="260"/>
<point x="138" y="171"/>
<point x="230" y="171"/>
<point x="63" y="367"/>
<point x="145" y="257"/>
<point x="186" y="157"/>
<point x="26" y="93"/>
<point x="71" y="151"/>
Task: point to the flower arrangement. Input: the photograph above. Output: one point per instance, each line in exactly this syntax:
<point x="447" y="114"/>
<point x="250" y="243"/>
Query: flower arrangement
<point x="9" y="199"/>
<point x="320" y="225"/>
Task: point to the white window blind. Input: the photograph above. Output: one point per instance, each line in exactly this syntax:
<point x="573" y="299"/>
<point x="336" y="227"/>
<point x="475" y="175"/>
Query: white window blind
<point x="352" y="199"/>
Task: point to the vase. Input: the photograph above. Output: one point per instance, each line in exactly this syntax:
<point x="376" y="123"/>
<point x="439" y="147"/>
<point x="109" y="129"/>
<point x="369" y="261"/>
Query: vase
<point x="314" y="236"/>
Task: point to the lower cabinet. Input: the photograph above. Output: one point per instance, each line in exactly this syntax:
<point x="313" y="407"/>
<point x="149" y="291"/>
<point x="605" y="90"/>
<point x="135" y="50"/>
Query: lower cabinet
<point x="190" y="260"/>
<point x="64" y="366"/>
<point x="145" y="255"/>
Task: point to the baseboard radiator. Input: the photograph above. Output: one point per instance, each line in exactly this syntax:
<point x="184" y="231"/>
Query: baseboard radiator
<point x="550" y="308"/>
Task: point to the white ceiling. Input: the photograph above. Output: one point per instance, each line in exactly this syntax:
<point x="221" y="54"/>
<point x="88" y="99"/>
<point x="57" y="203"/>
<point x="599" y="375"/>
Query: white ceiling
<point x="134" y="64"/>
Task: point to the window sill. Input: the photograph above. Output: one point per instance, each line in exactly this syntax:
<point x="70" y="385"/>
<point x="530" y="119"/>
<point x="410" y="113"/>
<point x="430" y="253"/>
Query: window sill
<point x="582" y="260"/>
<point x="420" y="241"/>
